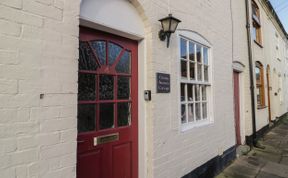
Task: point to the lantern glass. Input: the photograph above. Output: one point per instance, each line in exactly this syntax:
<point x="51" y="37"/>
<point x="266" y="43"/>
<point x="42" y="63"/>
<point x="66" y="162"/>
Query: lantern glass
<point x="174" y="25"/>
<point x="166" y="24"/>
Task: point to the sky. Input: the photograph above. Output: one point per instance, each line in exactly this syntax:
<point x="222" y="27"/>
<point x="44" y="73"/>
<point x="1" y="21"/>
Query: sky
<point x="281" y="7"/>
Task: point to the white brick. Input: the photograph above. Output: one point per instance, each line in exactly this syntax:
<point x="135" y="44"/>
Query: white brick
<point x="12" y="3"/>
<point x="14" y="115"/>
<point x="66" y="27"/>
<point x="44" y="113"/>
<point x="29" y="86"/>
<point x="42" y="9"/>
<point x="19" y="100"/>
<point x="8" y="145"/>
<point x="57" y="150"/>
<point x="58" y="124"/>
<point x="68" y="160"/>
<point x="12" y="130"/>
<point x="4" y="162"/>
<point x="21" y="172"/>
<point x="68" y="111"/>
<point x="18" y="72"/>
<point x="19" y="16"/>
<point x="47" y="2"/>
<point x="59" y="4"/>
<point x="65" y="172"/>
<point x="8" y="86"/>
<point x="49" y="139"/>
<point x="59" y="99"/>
<point x="8" y="57"/>
<point x="7" y="173"/>
<point x="24" y="143"/>
<point x="33" y="169"/>
<point x="69" y="135"/>
<point x="24" y="157"/>
<point x="39" y="34"/>
<point x="10" y="28"/>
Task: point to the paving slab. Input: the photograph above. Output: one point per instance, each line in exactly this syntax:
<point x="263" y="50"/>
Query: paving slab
<point x="268" y="162"/>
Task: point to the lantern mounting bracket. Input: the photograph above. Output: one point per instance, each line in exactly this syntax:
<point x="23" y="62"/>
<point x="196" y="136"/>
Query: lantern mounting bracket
<point x="169" y="25"/>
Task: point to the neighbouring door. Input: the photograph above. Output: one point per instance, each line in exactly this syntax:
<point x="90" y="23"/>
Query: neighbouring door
<point x="107" y="106"/>
<point x="268" y="91"/>
<point x="237" y="107"/>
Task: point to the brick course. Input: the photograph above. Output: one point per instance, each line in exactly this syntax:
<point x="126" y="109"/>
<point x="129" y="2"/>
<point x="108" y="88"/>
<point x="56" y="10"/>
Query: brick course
<point x="33" y="142"/>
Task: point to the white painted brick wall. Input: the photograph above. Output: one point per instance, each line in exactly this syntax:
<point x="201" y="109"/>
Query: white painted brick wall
<point x="174" y="153"/>
<point x="38" y="55"/>
<point x="266" y="55"/>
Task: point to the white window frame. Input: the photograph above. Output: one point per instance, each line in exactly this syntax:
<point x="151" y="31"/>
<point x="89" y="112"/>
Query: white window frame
<point x="196" y="39"/>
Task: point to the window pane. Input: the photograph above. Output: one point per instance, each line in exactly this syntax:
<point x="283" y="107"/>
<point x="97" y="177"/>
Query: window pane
<point x="257" y="72"/>
<point x="123" y="88"/>
<point x="192" y="71"/>
<point x="100" y="49"/>
<point x="86" y="86"/>
<point x="258" y="91"/>
<point x="124" y="114"/>
<point x="198" y="52"/>
<point x="199" y="72"/>
<point x="191" y="51"/>
<point x="124" y="65"/>
<point x="190" y="113"/>
<point x="106" y="115"/>
<point x="86" y="118"/>
<point x="190" y="92"/>
<point x="86" y="59"/>
<point x="204" y="97"/>
<point x="106" y="86"/>
<point x="183" y="113"/>
<point x="197" y="92"/>
<point x="183" y="48"/>
<point x="205" y="55"/>
<point x="182" y="92"/>
<point x="183" y="69"/>
<point x="254" y="31"/>
<point x="204" y="110"/>
<point x="206" y="75"/>
<point x="114" y="51"/>
<point x="198" y="111"/>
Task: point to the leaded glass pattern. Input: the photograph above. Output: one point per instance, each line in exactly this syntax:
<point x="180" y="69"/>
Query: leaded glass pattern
<point x="104" y="86"/>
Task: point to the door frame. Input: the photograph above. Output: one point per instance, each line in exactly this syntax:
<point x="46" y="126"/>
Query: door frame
<point x="268" y="78"/>
<point x="134" y="93"/>
<point x="237" y="106"/>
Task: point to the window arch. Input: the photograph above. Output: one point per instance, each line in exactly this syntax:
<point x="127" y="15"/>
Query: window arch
<point x="260" y="89"/>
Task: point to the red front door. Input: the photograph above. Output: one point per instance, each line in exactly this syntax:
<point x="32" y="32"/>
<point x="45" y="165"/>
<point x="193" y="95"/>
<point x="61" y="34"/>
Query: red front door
<point x="237" y="107"/>
<point x="107" y="106"/>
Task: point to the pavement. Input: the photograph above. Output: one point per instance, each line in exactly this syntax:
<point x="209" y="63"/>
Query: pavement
<point x="270" y="162"/>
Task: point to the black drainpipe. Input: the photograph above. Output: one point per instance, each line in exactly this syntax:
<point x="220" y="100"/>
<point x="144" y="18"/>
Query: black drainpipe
<point x="254" y="137"/>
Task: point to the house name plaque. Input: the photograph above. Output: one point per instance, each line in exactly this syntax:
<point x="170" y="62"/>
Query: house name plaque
<point x="162" y="83"/>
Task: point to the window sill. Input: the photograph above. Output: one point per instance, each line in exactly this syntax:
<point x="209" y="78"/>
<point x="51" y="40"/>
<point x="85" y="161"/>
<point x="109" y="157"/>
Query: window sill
<point x="261" y="107"/>
<point x="260" y="45"/>
<point x="189" y="126"/>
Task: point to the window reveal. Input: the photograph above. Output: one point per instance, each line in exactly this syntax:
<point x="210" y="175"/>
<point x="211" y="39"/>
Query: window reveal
<point x="256" y="30"/>
<point x="260" y="89"/>
<point x="195" y="82"/>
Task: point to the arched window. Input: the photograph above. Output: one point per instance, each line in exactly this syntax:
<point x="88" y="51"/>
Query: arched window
<point x="260" y="89"/>
<point x="195" y="83"/>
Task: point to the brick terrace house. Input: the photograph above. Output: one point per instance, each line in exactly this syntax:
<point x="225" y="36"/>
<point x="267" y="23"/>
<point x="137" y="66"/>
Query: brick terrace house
<point x="88" y="90"/>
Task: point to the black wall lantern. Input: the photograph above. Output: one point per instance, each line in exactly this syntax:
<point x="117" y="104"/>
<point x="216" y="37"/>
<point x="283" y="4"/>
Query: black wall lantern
<point x="169" y="25"/>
